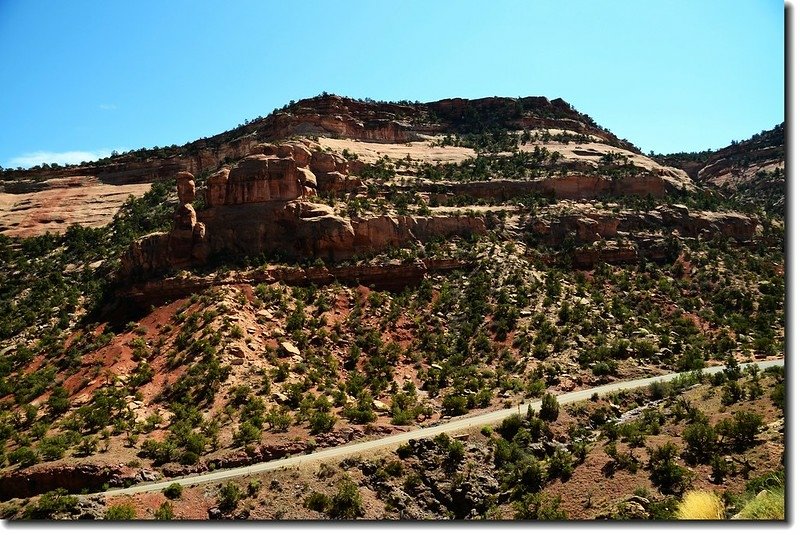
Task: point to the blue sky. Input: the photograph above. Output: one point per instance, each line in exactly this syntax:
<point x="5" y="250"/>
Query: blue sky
<point x="89" y="77"/>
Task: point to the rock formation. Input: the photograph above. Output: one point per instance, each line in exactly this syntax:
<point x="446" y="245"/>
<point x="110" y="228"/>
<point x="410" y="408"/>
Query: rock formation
<point x="259" y="206"/>
<point x="587" y="226"/>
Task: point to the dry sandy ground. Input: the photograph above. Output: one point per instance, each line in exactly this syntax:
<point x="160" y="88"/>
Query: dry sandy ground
<point x="418" y="150"/>
<point x="53" y="210"/>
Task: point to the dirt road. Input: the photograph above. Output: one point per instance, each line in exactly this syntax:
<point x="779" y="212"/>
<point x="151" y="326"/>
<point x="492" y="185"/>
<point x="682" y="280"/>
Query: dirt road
<point x="451" y="427"/>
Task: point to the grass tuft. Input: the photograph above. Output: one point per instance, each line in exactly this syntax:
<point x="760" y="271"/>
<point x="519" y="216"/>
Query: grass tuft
<point x="700" y="505"/>
<point x="767" y="505"/>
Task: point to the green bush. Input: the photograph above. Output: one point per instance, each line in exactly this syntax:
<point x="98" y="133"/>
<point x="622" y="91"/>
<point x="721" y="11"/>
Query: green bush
<point x="665" y="472"/>
<point x="538" y="506"/>
<point x="174" y="491"/>
<point x="701" y="441"/>
<point x="229" y="494"/>
<point x="550" y="407"/>
<point x="164" y="512"/>
<point x="50" y="504"/>
<point x="24" y="455"/>
<point x="561" y="465"/>
<point x="778" y="395"/>
<point x="124" y="511"/>
<point x="316" y="501"/>
<point x="321" y="422"/>
<point x="509" y="427"/>
<point x="454" y="404"/>
<point x="742" y="430"/>
<point x="347" y="502"/>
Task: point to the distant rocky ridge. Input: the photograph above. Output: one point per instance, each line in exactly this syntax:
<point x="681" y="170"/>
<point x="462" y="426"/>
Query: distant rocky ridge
<point x="754" y="169"/>
<point x="328" y="115"/>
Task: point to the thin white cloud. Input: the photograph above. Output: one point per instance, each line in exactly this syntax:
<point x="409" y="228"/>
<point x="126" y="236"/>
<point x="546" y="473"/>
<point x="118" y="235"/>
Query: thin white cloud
<point x="107" y="106"/>
<point x="70" y="157"/>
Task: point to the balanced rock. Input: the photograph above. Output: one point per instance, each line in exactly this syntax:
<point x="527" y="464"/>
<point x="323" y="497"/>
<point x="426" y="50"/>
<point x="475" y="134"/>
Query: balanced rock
<point x="186" y="188"/>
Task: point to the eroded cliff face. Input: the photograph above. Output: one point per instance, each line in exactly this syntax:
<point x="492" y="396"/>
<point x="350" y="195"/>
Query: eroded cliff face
<point x="261" y="205"/>
<point x="589" y="225"/>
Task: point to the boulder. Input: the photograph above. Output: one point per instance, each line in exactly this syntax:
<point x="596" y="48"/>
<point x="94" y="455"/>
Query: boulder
<point x="289" y="349"/>
<point x="216" y="190"/>
<point x="185" y="217"/>
<point x="186" y="189"/>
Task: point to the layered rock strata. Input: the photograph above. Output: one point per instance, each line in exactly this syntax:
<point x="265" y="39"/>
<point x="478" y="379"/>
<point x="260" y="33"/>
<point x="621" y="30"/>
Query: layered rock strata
<point x="261" y="206"/>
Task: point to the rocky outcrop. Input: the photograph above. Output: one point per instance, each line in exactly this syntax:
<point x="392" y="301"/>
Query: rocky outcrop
<point x="588" y="226"/>
<point x="257" y="207"/>
<point x="394" y="276"/>
<point x="572" y="187"/>
<point x="437" y="494"/>
<point x="691" y="223"/>
<point x="583" y="228"/>
<point x="43" y="478"/>
<point x="256" y="178"/>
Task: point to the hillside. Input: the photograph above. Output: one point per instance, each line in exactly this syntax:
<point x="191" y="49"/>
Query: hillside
<point x="342" y="270"/>
<point x="50" y="198"/>
<point x="753" y="169"/>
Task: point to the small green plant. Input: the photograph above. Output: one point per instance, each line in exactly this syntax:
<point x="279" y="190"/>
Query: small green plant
<point x="123" y="511"/>
<point x="538" y="506"/>
<point x="347" y="502"/>
<point x="229" y="494"/>
<point x="317" y="501"/>
<point x="550" y="407"/>
<point x="174" y="491"/>
<point x="164" y="512"/>
<point x="51" y="504"/>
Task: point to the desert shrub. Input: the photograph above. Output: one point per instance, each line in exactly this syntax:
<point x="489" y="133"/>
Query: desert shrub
<point x="246" y="434"/>
<point x="174" y="491"/>
<point x="87" y="446"/>
<point x="159" y="452"/>
<point x="164" y="512"/>
<point x="632" y="433"/>
<point x="742" y="430"/>
<point x="361" y="412"/>
<point x="404" y="451"/>
<point x="229" y="494"/>
<point x="720" y="468"/>
<point x="663" y="509"/>
<point x="665" y="472"/>
<point x="394" y="468"/>
<point x="53" y="447"/>
<point x="278" y="421"/>
<point x="321" y="422"/>
<point x="58" y="402"/>
<point x="454" y="404"/>
<point x="509" y="426"/>
<point x="550" y="407"/>
<point x="347" y="502"/>
<point x="769" y="505"/>
<point x="561" y="465"/>
<point x="530" y="475"/>
<point x="701" y="441"/>
<point x="412" y="482"/>
<point x="538" y="506"/>
<point x="455" y="451"/>
<point x="24" y="455"/>
<point x="624" y="460"/>
<point x="700" y="505"/>
<point x="50" y="504"/>
<point x="732" y="392"/>
<point x="778" y="395"/>
<point x="123" y="511"/>
<point x="317" y="501"/>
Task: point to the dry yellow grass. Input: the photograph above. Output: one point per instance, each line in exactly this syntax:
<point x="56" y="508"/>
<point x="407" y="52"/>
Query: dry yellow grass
<point x="768" y="505"/>
<point x="700" y="505"/>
